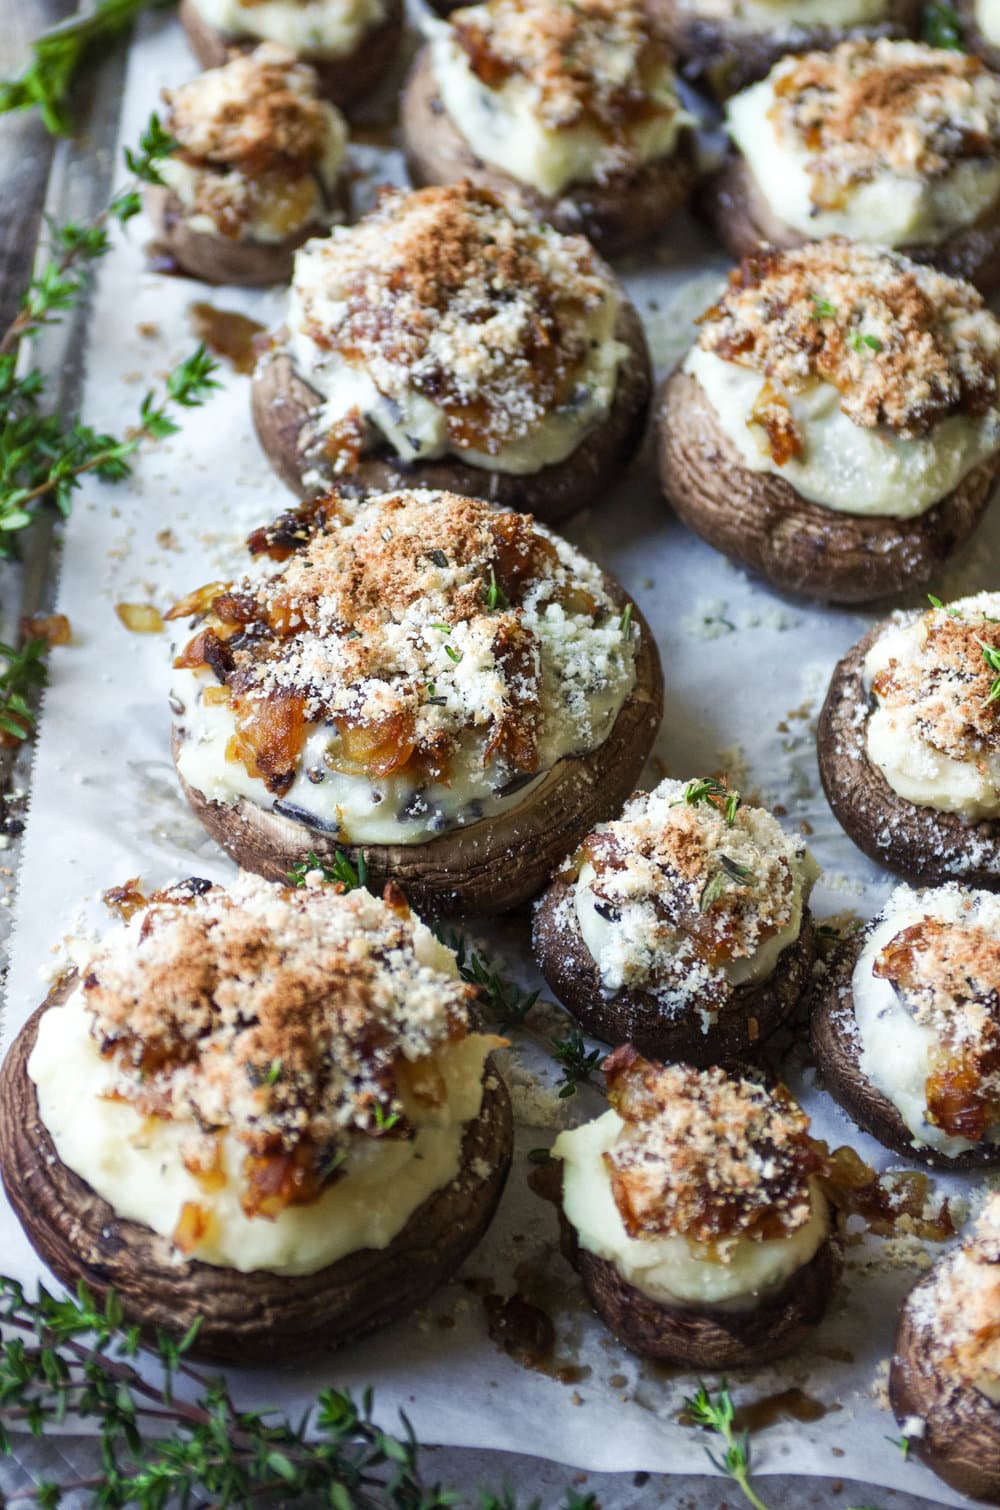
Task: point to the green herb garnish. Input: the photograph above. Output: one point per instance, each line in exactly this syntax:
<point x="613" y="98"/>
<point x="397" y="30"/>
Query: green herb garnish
<point x="992" y="659"/>
<point x="716" y="793"/>
<point x="508" y="1004"/>
<point x="274" y="1073"/>
<point x="384" y="1120"/>
<point x="728" y="870"/>
<point x="495" y="595"/>
<point x="348" y="874"/>
<point x="438" y="557"/>
<point x="941" y="27"/>
<point x="578" y="1062"/>
<point x="856" y="341"/>
<point x="25" y="672"/>
<point x="453" y="654"/>
<point x="822" y="308"/>
<point x="625" y="622"/>
<point x="539" y="1156"/>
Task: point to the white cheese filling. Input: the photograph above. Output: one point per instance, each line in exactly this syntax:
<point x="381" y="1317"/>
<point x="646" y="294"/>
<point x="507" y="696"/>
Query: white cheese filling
<point x="788" y="16"/>
<point x="503" y="126"/>
<point x="987" y="14"/>
<point x="300" y="202"/>
<point x="844" y="466"/>
<point x="315" y="28"/>
<point x="895" y="1050"/>
<point x="135" y="1163"/>
<point x="673" y="1270"/>
<point x="888" y="209"/>
<point x="914" y="769"/>
<point x="414" y="426"/>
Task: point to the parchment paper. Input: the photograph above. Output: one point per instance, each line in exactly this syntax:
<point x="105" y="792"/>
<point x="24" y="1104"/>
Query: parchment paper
<point x="745" y="670"/>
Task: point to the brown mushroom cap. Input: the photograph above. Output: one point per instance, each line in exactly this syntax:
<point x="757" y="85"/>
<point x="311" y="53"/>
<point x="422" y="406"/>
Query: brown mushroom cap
<point x="837" y="1047"/>
<point x="344" y="80"/>
<point x="707" y="1337"/>
<point x="725" y="57"/>
<point x="961" y="1436"/>
<point x="244" y="1317"/>
<point x="759" y="519"/>
<point x="488" y="866"/>
<point x="283" y="404"/>
<point x="635" y="1016"/>
<point x="215" y="258"/>
<point x="617" y="214"/>
<point x="918" y="843"/>
<point x="742" y="218"/>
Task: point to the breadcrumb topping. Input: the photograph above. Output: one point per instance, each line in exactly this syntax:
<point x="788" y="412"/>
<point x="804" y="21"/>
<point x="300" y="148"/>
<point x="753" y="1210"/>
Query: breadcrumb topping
<point x="905" y="345"/>
<point x="688" y="892"/>
<point x="589" y="62"/>
<point x="871" y="107"/>
<point x="707" y="1155"/>
<point x="290" y="1017"/>
<point x="959" y="1311"/>
<point x="463" y="298"/>
<point x="415" y="625"/>
<point x="949" y="683"/>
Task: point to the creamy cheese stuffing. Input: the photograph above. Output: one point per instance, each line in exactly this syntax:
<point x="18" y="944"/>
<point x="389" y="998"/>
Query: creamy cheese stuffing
<point x="957" y="1315"/>
<point x="866" y="381"/>
<point x="674" y="900"/>
<point x="934" y="732"/>
<point x="258" y="155"/>
<point x="270" y="1077"/>
<point x="697" y="1186"/>
<point x="787" y="18"/>
<point x="557" y="92"/>
<point x="450" y="322"/>
<point x="316" y="28"/>
<point x="884" y="141"/>
<point x="987" y="14"/>
<point x="926" y="991"/>
<point x="407" y="665"/>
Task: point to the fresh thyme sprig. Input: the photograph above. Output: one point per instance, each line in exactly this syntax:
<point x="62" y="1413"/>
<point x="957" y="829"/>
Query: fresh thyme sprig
<point x="69" y="1356"/>
<point x="44" y="456"/>
<point x="578" y="1062"/>
<point x="349" y="874"/>
<point x="24" y="672"/>
<point x="726" y="871"/>
<point x="992" y="658"/>
<point x="56" y="55"/>
<point x="505" y="1000"/>
<point x="716" y="793"/>
<point x="941" y="27"/>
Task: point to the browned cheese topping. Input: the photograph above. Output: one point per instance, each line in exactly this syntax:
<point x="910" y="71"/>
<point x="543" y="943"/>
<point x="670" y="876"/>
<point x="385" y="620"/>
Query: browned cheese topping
<point x="948" y="978"/>
<point x="705" y="1155"/>
<point x="590" y="62"/>
<point x="464" y="298"/>
<point x="959" y="1313"/>
<point x="291" y="1018"/>
<point x="873" y="107"/>
<point x="415" y="623"/>
<point x="906" y="346"/>
<point x="949" y="685"/>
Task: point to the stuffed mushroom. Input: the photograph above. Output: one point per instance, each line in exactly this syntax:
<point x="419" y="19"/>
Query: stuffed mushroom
<point x="694" y="1213"/>
<point x="890" y="142"/>
<point x="257" y="169"/>
<point x="836" y="426"/>
<point x="451" y="340"/>
<point x="682" y="926"/>
<point x="351" y="44"/>
<point x="572" y="104"/>
<point x="944" y="1379"/>
<point x="726" y="44"/>
<point x="906" y="1029"/>
<point x="443" y="689"/>
<point x="909" y="743"/>
<point x="258" y="1106"/>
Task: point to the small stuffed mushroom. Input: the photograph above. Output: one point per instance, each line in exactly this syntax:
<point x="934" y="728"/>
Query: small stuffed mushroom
<point x="944" y="1378"/>
<point x="836" y="426"/>
<point x="258" y="168"/>
<point x="906" y="1029"/>
<point x="980" y="23"/>
<point x="572" y="104"/>
<point x="447" y="691"/>
<point x="681" y="927"/>
<point x="352" y="44"/>
<point x="889" y="142"/>
<point x="694" y="1214"/>
<point x="725" y="45"/>
<point x="909" y="743"/>
<point x="452" y="340"/>
<point x="258" y="1106"/>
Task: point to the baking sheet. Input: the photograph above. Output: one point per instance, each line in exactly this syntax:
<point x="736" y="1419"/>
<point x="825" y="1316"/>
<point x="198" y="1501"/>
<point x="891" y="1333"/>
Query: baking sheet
<point x="745" y="672"/>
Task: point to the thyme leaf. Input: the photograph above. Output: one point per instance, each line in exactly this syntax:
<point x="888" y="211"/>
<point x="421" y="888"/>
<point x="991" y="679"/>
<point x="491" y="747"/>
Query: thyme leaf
<point x="344" y="872"/>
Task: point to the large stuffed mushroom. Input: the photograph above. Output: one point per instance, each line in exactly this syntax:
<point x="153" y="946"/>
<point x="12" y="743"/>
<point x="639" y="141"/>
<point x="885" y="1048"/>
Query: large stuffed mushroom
<point x="451" y="340"/>
<point x="573" y="106"/>
<point x="888" y="142"/>
<point x="444" y="690"/>
<point x="909" y="743"/>
<point x="836" y="426"/>
<point x="259" y="1108"/>
<point x="681" y="927"/>
<point x="694" y="1214"/>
